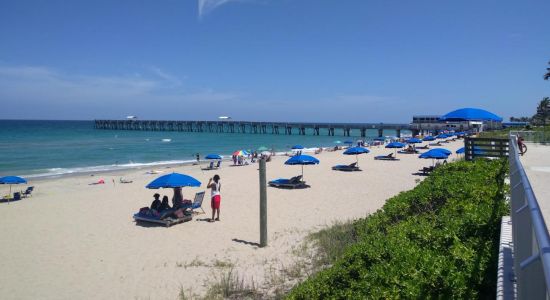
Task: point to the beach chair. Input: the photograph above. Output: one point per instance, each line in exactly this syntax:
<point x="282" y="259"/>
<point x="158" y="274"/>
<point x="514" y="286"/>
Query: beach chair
<point x="292" y="183"/>
<point x="427" y="170"/>
<point x="197" y="203"/>
<point x="144" y="216"/>
<point x="386" y="157"/>
<point x="16" y="196"/>
<point x="27" y="192"/>
<point x="347" y="168"/>
<point x="407" y="151"/>
<point x="211" y="166"/>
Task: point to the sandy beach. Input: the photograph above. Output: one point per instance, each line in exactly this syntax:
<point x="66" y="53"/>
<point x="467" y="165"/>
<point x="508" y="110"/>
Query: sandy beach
<point x="72" y="240"/>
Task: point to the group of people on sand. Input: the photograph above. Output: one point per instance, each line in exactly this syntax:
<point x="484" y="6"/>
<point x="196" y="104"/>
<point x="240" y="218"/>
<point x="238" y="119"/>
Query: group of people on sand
<point x="162" y="209"/>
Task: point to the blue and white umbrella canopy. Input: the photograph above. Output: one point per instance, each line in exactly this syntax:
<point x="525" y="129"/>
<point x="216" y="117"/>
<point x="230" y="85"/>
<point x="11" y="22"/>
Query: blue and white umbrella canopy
<point x="297" y="147"/>
<point x="428" y="138"/>
<point x="302" y="160"/>
<point x="356" y="151"/>
<point x="173" y="180"/>
<point x="414" y="141"/>
<point x="213" y="156"/>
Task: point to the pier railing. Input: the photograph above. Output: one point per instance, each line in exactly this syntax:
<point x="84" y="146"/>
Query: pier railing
<point x="485" y="147"/>
<point x="529" y="233"/>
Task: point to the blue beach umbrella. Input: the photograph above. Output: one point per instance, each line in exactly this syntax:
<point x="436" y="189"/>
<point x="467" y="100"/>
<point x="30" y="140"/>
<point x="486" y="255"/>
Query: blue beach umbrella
<point x="173" y="180"/>
<point x="428" y="138"/>
<point x="395" y="145"/>
<point x="446" y="151"/>
<point x="213" y="156"/>
<point x="302" y="160"/>
<point x="460" y="151"/>
<point x="297" y="147"/>
<point x="434" y="154"/>
<point x="442" y="136"/>
<point x="414" y="141"/>
<point x="12" y="180"/>
<point x="356" y="151"/>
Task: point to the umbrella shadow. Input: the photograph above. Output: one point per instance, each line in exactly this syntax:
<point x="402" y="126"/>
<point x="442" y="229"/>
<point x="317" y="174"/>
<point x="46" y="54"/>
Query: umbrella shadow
<point x="202" y="220"/>
<point x="9" y="200"/>
<point x="148" y="224"/>
<point x="246" y="242"/>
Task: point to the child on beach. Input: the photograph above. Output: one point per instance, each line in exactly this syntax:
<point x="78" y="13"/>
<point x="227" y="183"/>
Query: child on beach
<point x="215" y="188"/>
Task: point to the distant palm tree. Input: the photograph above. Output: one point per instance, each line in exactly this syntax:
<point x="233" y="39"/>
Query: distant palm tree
<point x="547" y="75"/>
<point x="543" y="111"/>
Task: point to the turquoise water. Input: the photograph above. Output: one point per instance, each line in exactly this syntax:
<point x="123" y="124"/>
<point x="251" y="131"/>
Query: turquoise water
<point x="52" y="148"/>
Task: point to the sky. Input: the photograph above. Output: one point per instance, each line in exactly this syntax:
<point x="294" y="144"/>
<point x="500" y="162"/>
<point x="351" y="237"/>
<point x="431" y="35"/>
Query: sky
<point x="271" y="60"/>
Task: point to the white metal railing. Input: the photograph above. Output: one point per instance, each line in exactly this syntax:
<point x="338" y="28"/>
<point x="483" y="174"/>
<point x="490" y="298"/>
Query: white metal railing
<point x="533" y="136"/>
<point x="529" y="233"/>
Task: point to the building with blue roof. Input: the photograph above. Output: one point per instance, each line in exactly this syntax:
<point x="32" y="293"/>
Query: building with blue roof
<point x="463" y="119"/>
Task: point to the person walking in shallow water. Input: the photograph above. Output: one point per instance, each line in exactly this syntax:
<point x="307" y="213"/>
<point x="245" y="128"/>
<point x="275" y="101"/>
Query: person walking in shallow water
<point x="215" y="186"/>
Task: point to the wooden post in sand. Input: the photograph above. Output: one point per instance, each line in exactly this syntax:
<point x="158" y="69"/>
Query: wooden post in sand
<point x="263" y="205"/>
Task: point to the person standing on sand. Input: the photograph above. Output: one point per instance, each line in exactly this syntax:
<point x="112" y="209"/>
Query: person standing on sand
<point x="215" y="188"/>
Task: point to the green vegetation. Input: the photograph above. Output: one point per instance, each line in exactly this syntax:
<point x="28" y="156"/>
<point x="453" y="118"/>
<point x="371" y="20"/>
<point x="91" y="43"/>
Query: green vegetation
<point x="439" y="240"/>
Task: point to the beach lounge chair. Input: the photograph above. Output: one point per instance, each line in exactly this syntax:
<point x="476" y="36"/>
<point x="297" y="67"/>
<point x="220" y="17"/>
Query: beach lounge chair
<point x="407" y="151"/>
<point x="427" y="170"/>
<point x="27" y="192"/>
<point x="167" y="221"/>
<point x="197" y="203"/>
<point x="292" y="183"/>
<point x="211" y="166"/>
<point x="16" y="196"/>
<point x="347" y="168"/>
<point x="386" y="157"/>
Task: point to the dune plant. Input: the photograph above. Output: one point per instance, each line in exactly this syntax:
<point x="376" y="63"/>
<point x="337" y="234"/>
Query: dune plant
<point x="439" y="240"/>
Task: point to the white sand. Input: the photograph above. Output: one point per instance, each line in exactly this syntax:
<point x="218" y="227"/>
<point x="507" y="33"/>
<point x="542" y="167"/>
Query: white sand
<point x="71" y="240"/>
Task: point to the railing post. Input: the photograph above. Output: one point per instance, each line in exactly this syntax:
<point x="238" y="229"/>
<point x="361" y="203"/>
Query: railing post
<point x="263" y="205"/>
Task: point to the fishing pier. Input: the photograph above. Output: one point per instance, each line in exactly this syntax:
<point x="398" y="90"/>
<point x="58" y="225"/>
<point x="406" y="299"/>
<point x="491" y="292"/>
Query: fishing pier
<point x="230" y="126"/>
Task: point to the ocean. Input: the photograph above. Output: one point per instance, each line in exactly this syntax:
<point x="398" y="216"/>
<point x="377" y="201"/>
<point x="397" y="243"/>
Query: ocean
<point x="55" y="148"/>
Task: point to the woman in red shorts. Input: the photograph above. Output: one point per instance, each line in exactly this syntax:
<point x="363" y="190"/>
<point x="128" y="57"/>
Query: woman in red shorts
<point x="215" y="188"/>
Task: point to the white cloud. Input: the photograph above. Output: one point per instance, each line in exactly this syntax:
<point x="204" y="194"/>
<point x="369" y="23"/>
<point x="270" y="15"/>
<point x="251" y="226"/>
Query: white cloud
<point x="40" y="92"/>
<point x="207" y="6"/>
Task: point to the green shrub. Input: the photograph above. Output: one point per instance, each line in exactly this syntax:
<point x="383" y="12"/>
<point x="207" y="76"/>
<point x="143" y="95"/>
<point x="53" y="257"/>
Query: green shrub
<point x="439" y="240"/>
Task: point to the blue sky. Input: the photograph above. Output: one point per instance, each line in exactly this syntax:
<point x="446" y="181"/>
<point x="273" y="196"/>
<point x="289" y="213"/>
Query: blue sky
<point x="295" y="60"/>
